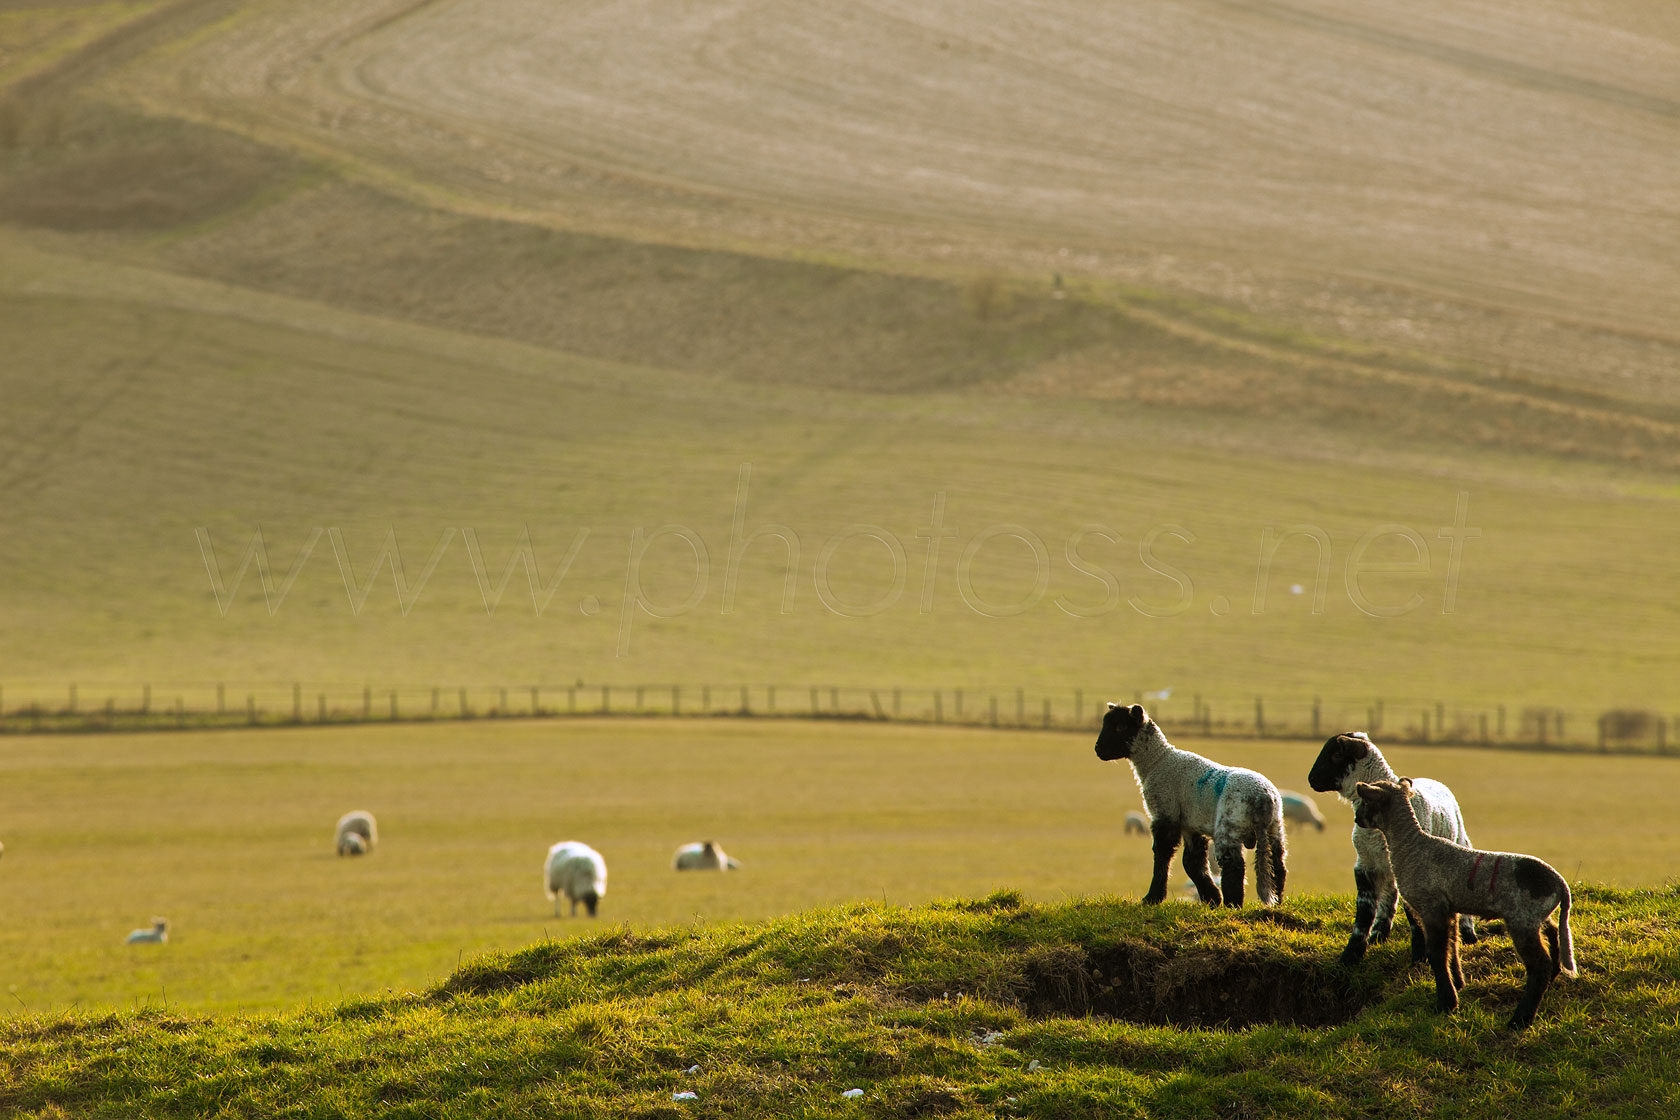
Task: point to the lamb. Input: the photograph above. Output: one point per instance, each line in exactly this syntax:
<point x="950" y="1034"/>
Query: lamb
<point x="577" y="871"/>
<point x="703" y="856"/>
<point x="1439" y="880"/>
<point x="1344" y="762"/>
<point x="1137" y="822"/>
<point x="358" y="823"/>
<point x="157" y="935"/>
<point x="1298" y="808"/>
<point x="1192" y="798"/>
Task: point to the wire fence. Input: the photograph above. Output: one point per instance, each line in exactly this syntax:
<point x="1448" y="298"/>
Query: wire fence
<point x="101" y="706"/>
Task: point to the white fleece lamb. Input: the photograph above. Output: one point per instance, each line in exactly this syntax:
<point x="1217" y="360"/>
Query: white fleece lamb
<point x="1345" y="762"/>
<point x="357" y="823"/>
<point x="703" y="855"/>
<point x="575" y="870"/>
<point x="1197" y="800"/>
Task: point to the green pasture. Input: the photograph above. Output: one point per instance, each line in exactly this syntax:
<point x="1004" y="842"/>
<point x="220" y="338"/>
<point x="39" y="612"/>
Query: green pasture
<point x="229" y="836"/>
<point x="729" y="533"/>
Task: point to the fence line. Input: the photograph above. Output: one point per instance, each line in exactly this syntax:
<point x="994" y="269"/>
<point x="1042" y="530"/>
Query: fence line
<point x="95" y="706"/>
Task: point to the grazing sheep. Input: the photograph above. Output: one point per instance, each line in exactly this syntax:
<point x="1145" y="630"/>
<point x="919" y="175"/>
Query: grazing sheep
<point x="1298" y="808"/>
<point x="157" y="935"/>
<point x="577" y="871"/>
<point x="703" y="856"/>
<point x="1137" y="822"/>
<point x="1345" y="761"/>
<point x="1191" y="798"/>
<point x="1439" y="880"/>
<point x="360" y="824"/>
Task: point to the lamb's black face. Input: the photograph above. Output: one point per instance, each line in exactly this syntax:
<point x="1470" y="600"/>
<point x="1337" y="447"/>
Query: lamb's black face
<point x="1335" y="760"/>
<point x="590" y="901"/>
<point x="1120" y="727"/>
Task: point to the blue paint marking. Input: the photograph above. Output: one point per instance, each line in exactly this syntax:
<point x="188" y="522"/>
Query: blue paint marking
<point x="1219" y="777"/>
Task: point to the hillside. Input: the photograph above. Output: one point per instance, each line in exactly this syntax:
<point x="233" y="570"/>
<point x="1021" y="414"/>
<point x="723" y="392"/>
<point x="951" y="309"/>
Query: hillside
<point x="963" y="1008"/>
<point x="1128" y="298"/>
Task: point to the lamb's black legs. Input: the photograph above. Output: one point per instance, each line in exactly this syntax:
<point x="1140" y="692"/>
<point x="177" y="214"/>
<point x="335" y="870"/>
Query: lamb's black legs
<point x="1167" y="834"/>
<point x="1443" y="947"/>
<point x="1541" y="965"/>
<point x="1364" y="913"/>
<point x="1196" y="866"/>
<point x="1231" y="869"/>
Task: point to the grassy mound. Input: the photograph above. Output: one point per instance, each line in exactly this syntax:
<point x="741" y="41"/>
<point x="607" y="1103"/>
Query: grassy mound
<point x="975" y="1008"/>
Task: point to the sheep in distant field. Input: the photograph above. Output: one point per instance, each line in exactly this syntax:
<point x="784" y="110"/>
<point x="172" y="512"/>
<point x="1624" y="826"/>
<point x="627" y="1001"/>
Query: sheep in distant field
<point x="1439" y="880"/>
<point x="703" y="856"/>
<point x="157" y="935"/>
<point x="1298" y="808"/>
<point x="1137" y="822"/>
<point x="360" y="824"/>
<point x="1344" y="762"/>
<point x="577" y="871"/>
<point x="1194" y="799"/>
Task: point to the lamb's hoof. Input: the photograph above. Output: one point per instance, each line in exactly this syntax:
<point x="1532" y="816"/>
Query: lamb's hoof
<point x="1446" y="1007"/>
<point x="1153" y="899"/>
<point x="1380" y="933"/>
<point x="1467" y="934"/>
<point x="1519" y="1022"/>
<point x="1212" y="899"/>
<point x="1354" y="953"/>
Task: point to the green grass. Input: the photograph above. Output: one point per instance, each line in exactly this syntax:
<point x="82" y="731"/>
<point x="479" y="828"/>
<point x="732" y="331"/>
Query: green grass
<point x="997" y="1007"/>
<point x="175" y="405"/>
<point x="229" y="836"/>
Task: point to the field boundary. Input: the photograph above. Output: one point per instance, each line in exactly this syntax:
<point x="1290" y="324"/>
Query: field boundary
<point x="94" y="707"/>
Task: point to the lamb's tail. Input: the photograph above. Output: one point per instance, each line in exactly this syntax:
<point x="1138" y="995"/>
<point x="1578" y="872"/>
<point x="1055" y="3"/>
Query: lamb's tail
<point x="1566" y="942"/>
<point x="1268" y="864"/>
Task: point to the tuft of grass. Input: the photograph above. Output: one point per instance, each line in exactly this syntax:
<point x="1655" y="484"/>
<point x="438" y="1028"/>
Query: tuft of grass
<point x="932" y="1010"/>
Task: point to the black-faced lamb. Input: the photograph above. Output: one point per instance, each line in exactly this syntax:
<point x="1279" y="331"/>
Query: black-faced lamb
<point x="1439" y="880"/>
<point x="357" y="833"/>
<point x="158" y="934"/>
<point x="1298" y="808"/>
<point x="703" y="855"/>
<point x="1193" y="799"/>
<point x="575" y="870"/>
<point x="1344" y="762"/>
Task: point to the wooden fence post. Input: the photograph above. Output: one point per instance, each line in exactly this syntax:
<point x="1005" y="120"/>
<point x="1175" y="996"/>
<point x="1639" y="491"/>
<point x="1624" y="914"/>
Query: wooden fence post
<point x="221" y="699"/>
<point x="1259" y="716"/>
<point x="1047" y="712"/>
<point x="1481" y="727"/>
<point x="1078" y="705"/>
<point x="72" y="696"/>
<point x="321" y="713"/>
<point x="536" y="701"/>
<point x="938" y="709"/>
<point x="145" y="699"/>
<point x="435" y="699"/>
<point x="367" y="701"/>
<point x="393" y="705"/>
<point x="1315" y="718"/>
<point x="813" y="700"/>
<point x="1021" y="706"/>
<point x="746" y="705"/>
<point x="461" y="704"/>
<point x="994" y="711"/>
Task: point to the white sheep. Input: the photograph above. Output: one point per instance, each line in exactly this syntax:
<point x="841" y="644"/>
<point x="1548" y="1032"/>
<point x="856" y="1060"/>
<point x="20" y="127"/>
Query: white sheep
<point x="1345" y="761"/>
<point x="1196" y="800"/>
<point x="575" y="870"/>
<point x="157" y="935"/>
<point x="1298" y="808"/>
<point x="1439" y="880"/>
<point x="703" y="856"/>
<point x="358" y="823"/>
<point x="1137" y="822"/>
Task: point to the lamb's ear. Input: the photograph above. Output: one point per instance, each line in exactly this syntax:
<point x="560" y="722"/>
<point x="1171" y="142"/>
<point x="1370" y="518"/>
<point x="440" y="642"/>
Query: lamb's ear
<point x="1112" y="705"/>
<point x="1406" y="786"/>
<point x="1368" y="791"/>
<point x="1137" y="711"/>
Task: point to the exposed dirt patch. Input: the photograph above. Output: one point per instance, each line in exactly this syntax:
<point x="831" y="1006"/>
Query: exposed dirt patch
<point x="1145" y="983"/>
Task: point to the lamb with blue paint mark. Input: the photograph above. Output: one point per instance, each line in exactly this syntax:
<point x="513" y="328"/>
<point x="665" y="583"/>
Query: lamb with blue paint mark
<point x="1345" y="761"/>
<point x="1198" y="801"/>
<point x="1439" y="880"/>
